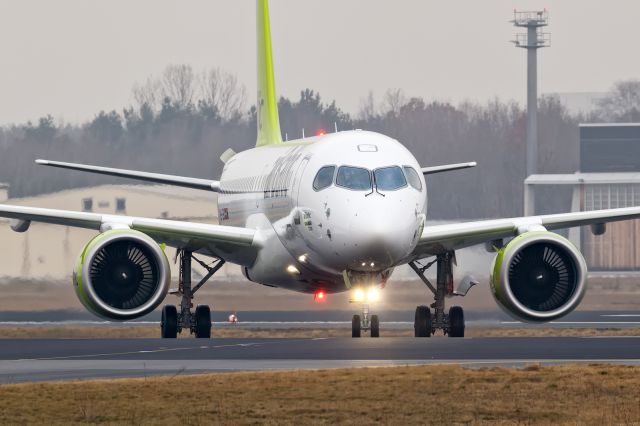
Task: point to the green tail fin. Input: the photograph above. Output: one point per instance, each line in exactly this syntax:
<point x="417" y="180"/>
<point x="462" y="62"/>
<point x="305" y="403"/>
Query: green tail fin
<point x="268" y="120"/>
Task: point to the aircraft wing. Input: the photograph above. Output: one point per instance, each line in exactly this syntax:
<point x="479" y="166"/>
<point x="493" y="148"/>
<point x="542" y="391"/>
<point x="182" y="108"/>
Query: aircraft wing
<point x="233" y="244"/>
<point x="188" y="182"/>
<point x="441" y="238"/>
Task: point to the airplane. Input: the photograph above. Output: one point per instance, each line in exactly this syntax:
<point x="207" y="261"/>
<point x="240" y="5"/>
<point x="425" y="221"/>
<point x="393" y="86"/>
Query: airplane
<point x="320" y="215"/>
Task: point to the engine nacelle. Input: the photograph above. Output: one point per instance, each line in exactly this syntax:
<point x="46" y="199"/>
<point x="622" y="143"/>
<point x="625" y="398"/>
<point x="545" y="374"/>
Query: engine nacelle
<point x="121" y="274"/>
<point x="538" y="277"/>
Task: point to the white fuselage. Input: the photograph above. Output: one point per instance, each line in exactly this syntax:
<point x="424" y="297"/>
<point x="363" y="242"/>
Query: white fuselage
<point x="340" y="233"/>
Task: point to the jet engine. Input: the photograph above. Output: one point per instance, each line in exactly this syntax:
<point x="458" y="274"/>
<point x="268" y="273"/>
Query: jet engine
<point x="121" y="275"/>
<point x="538" y="277"/>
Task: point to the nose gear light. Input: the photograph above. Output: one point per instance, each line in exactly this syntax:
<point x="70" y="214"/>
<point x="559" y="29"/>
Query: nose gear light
<point x="373" y="295"/>
<point x="358" y="295"/>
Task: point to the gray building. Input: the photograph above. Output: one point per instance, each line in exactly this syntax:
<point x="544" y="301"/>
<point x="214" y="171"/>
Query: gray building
<point x="4" y="192"/>
<point x="609" y="177"/>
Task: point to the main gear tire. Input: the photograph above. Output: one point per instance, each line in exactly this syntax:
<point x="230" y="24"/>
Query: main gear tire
<point x="422" y="322"/>
<point x="169" y="322"/>
<point x="203" y="322"/>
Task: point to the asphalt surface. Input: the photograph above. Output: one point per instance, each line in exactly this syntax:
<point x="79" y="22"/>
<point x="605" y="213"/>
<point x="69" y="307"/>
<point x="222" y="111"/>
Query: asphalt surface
<point x="329" y="319"/>
<point x="49" y="359"/>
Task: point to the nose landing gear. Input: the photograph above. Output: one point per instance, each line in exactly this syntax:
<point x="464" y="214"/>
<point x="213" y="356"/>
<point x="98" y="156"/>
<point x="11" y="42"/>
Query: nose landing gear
<point x="366" y="323"/>
<point x="199" y="322"/>
<point x="451" y="323"/>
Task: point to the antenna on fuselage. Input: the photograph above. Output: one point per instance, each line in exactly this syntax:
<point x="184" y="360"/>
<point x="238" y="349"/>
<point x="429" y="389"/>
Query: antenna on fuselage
<point x="303" y="133"/>
<point x="335" y="126"/>
<point x="286" y="137"/>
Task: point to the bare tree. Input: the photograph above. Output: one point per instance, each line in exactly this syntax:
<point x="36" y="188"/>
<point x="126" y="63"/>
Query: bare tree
<point x="222" y="92"/>
<point x="394" y="99"/>
<point x="368" y="109"/>
<point x="178" y="84"/>
<point x="622" y="103"/>
<point x="148" y="94"/>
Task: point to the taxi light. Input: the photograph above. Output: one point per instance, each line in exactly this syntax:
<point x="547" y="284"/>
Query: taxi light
<point x="292" y="270"/>
<point x="302" y="258"/>
<point x="373" y="295"/>
<point x="358" y="295"/>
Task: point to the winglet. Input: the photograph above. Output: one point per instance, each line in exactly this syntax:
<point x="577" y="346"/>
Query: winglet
<point x="267" y="114"/>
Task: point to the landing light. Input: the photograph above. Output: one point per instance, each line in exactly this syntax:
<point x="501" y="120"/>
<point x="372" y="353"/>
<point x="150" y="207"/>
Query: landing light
<point x="292" y="270"/>
<point x="358" y="295"/>
<point x="302" y="258"/>
<point x="373" y="295"/>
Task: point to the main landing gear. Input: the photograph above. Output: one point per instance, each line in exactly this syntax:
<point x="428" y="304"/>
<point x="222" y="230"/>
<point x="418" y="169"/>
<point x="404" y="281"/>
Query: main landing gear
<point x="199" y="322"/>
<point x="452" y="324"/>
<point x="366" y="323"/>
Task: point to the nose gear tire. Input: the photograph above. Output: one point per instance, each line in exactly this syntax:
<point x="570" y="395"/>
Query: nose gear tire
<point x="375" y="326"/>
<point x="355" y="326"/>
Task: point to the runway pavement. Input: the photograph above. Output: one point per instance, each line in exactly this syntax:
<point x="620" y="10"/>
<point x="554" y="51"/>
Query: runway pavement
<point x="47" y="359"/>
<point x="329" y="319"/>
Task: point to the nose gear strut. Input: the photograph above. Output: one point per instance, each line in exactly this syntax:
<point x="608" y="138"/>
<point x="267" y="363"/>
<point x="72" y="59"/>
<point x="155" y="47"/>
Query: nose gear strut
<point x="426" y="323"/>
<point x="367" y="323"/>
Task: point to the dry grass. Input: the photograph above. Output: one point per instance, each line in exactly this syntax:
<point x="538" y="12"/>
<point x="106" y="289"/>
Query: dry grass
<point x="130" y="332"/>
<point x="570" y="394"/>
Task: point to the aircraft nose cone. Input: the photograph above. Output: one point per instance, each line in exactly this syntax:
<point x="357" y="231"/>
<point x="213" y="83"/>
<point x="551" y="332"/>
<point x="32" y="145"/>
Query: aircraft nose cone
<point x="381" y="238"/>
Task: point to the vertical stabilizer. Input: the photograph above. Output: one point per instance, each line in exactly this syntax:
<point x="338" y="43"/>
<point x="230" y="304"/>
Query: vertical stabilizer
<point x="268" y="120"/>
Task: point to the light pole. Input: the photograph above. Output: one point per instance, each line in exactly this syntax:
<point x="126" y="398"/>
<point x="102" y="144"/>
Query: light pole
<point x="532" y="40"/>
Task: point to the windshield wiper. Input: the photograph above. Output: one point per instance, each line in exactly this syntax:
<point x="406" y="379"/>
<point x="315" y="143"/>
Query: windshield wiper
<point x="375" y="187"/>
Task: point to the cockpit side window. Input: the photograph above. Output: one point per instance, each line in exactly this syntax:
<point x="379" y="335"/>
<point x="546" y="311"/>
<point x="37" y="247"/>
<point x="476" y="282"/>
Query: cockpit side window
<point x="354" y="178"/>
<point x="389" y="178"/>
<point x="413" y="177"/>
<point x="324" y="178"/>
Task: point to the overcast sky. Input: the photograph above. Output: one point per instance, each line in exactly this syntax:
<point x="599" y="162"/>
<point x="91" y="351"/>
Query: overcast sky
<point x="72" y="58"/>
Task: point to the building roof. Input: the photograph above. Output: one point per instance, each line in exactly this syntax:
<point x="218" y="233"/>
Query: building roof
<point x="158" y="201"/>
<point x="583" y="178"/>
<point x="609" y="124"/>
<point x="4" y="185"/>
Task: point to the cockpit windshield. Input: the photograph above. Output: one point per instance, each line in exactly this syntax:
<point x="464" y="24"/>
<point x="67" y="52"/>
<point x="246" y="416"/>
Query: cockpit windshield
<point x="324" y="178"/>
<point x="354" y="178"/>
<point x="413" y="178"/>
<point x="389" y="178"/>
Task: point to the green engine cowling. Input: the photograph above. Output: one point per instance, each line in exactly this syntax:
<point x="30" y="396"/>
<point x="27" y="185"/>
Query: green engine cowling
<point x="538" y="276"/>
<point x="121" y="275"/>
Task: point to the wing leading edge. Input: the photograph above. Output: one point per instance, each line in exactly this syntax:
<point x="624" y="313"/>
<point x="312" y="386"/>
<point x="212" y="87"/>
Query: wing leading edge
<point x="233" y="244"/>
<point x="440" y="238"/>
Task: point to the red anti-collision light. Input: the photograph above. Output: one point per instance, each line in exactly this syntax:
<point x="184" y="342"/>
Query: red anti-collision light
<point x="320" y="296"/>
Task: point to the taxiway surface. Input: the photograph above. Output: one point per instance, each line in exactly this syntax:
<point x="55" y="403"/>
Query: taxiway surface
<point x="48" y="359"/>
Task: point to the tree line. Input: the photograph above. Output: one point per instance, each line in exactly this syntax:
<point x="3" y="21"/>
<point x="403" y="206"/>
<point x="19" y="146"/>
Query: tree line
<point x="181" y="121"/>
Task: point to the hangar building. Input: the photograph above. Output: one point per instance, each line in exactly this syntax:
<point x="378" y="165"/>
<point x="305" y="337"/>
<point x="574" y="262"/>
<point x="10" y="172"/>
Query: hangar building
<point x="609" y="177"/>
